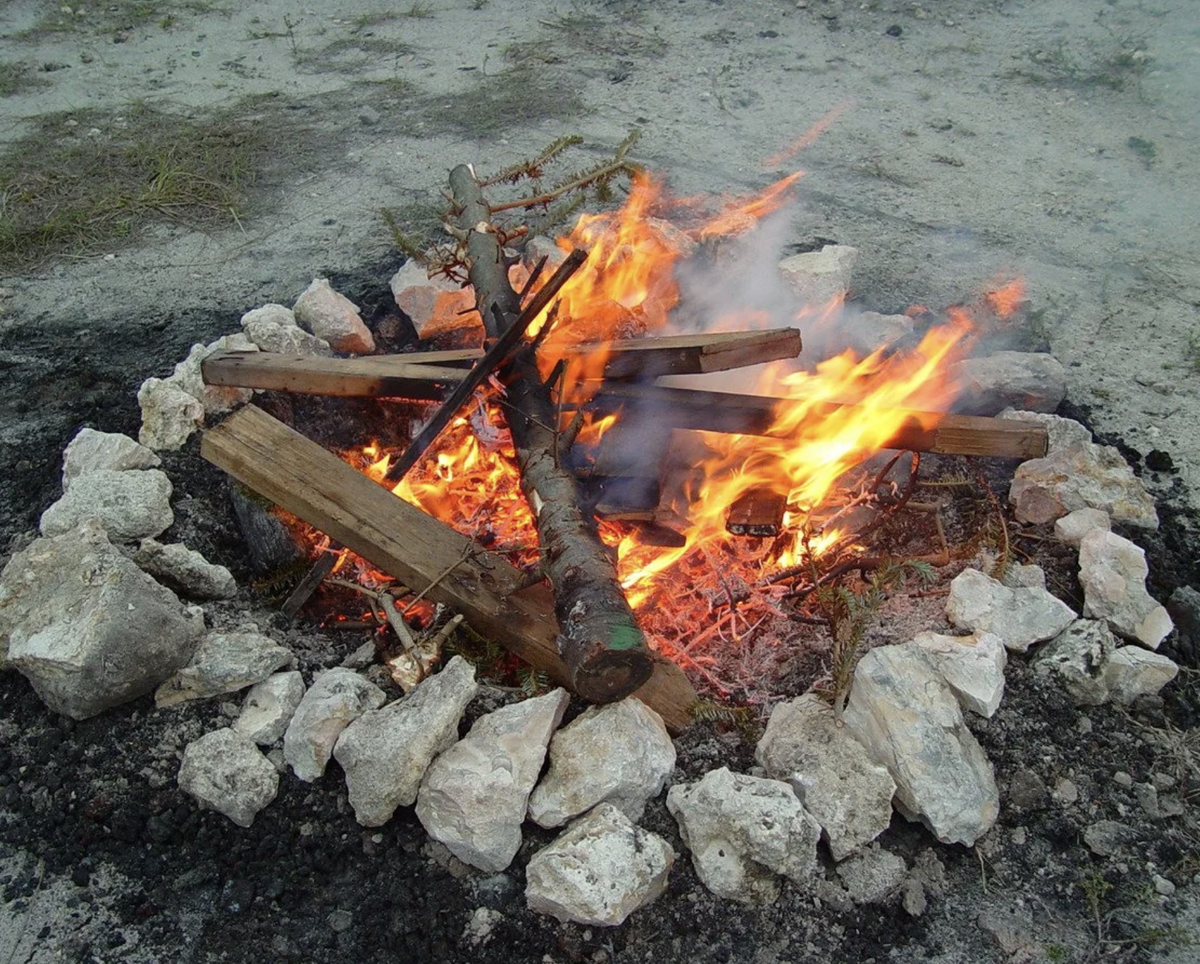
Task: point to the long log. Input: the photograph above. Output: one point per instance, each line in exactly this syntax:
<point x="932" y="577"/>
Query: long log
<point x="600" y="641"/>
<point x="302" y="477"/>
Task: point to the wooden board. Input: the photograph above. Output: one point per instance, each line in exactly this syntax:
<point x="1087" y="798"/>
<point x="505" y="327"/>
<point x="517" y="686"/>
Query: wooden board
<point x="302" y="477"/>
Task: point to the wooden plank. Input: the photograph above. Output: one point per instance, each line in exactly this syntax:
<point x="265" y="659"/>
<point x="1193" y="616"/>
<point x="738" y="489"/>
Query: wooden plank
<point x="403" y="541"/>
<point x="343" y="377"/>
<point x="756" y="414"/>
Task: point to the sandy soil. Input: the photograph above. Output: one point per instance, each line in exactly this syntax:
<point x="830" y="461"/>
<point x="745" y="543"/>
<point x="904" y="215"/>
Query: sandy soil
<point x="971" y="141"/>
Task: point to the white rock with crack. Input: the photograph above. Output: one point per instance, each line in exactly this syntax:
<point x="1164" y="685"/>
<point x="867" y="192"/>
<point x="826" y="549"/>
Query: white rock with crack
<point x="906" y="715"/>
<point x="600" y="870"/>
<point x="216" y="399"/>
<point x="169" y="414"/>
<point x="1030" y="381"/>
<point x="1132" y="672"/>
<point x="1020" y="617"/>
<point x="129" y="505"/>
<point x="385" y="753"/>
<point x="224" y="662"/>
<point x="91" y="450"/>
<point x="1079" y="656"/>
<point x="269" y="707"/>
<point x="1071" y="528"/>
<point x="1112" y="571"/>
<point x="816" y="278"/>
<point x="846" y="792"/>
<point x="224" y="771"/>
<point x="186" y="570"/>
<point x="1060" y="432"/>
<point x="435" y="305"/>
<point x="336" y="698"/>
<point x="333" y="318"/>
<point x="273" y="328"/>
<point x="474" y="796"/>
<point x="87" y="627"/>
<point x="744" y="833"/>
<point x="619" y="754"/>
<point x="972" y="665"/>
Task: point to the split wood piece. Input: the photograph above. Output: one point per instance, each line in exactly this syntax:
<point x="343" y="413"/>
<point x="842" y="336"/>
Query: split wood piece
<point x="757" y="513"/>
<point x="343" y="377"/>
<point x="755" y="415"/>
<point x="312" y="579"/>
<point x="332" y="496"/>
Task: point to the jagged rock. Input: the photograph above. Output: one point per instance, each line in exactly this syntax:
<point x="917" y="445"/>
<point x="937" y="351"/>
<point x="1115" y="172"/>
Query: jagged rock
<point x="385" y="753"/>
<point x="1029" y="381"/>
<point x="864" y="332"/>
<point x="87" y="627"/>
<point x="846" y="792"/>
<point x="675" y="238"/>
<point x="269" y="706"/>
<point x="619" y="754"/>
<point x="474" y="796"/>
<point x="1112" y="571"/>
<point x="1071" y="528"/>
<point x="536" y="248"/>
<point x="129" y="505"/>
<point x="972" y="665"/>
<point x="273" y="328"/>
<point x="169" y="414"/>
<point x="336" y="697"/>
<point x="435" y="305"/>
<point x="225" y="772"/>
<point x="1132" y="672"/>
<point x="1106" y="838"/>
<point x="186" y="570"/>
<point x="743" y="831"/>
<point x="1078" y="657"/>
<point x="91" y="450"/>
<point x="333" y="318"/>
<point x="873" y="876"/>
<point x="1184" y="609"/>
<point x="599" y="871"/>
<point x="1082" y="475"/>
<point x="1020" y="617"/>
<point x="224" y="663"/>
<point x="216" y="399"/>
<point x="1025" y="577"/>
<point x="1060" y="432"/>
<point x="905" y="714"/>
<point x="818" y="277"/>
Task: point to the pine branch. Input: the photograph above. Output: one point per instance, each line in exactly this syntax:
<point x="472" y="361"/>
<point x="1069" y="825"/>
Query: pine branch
<point x="532" y="168"/>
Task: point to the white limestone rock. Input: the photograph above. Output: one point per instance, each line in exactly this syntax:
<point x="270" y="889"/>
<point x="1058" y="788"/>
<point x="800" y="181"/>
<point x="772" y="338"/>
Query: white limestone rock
<point x="619" y="754"/>
<point x="744" y="832"/>
<point x="1112" y="571"/>
<point x="1060" y="432"/>
<point x="474" y="796"/>
<point x="973" y="666"/>
<point x="87" y="627"/>
<point x="846" y="792"/>
<point x="1027" y="577"/>
<point x="269" y="707"/>
<point x="91" y="450"/>
<point x="1020" y="617"/>
<point x="1082" y="475"/>
<point x="169" y="414"/>
<point x="216" y="399"/>
<point x="273" y="328"/>
<point x="1072" y="527"/>
<point x="818" y="277"/>
<point x="864" y="332"/>
<point x="336" y="698"/>
<point x="186" y="570"/>
<point x="129" y="505"/>
<point x="1132" y="672"/>
<point x="1029" y="381"/>
<point x="436" y="306"/>
<point x="906" y="715"/>
<point x="224" y="663"/>
<point x="385" y="753"/>
<point x="1079" y="656"/>
<point x="873" y="876"/>
<point x="224" y="771"/>
<point x="600" y="870"/>
<point x="333" y="318"/>
<point x="537" y="247"/>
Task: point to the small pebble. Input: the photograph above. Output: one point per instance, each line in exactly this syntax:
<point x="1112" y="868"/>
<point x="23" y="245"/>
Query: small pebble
<point x="895" y="30"/>
<point x="1163" y="886"/>
<point x="1162" y="781"/>
<point x="1066" y="792"/>
<point x="1122" y="779"/>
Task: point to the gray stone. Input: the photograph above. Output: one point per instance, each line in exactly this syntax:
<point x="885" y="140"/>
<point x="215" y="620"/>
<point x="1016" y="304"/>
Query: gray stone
<point x="1162" y="886"/>
<point x="169" y="414"/>
<point x="1147" y="797"/>
<point x="1112" y="571"/>
<point x="1060" y="432"/>
<point x="269" y="706"/>
<point x="1083" y="475"/>
<point x="1025" y="577"/>
<point x="1011" y="928"/>
<point x="385" y="753"/>
<point x="91" y="450"/>
<point x="333" y="318"/>
<point x="186" y="570"/>
<point x="863" y="332"/>
<point x="1029" y="381"/>
<point x="972" y="665"/>
<point x="1072" y="527"/>
<point x="536" y="248"/>
<point x="600" y="870"/>
<point x="1132" y="672"/>
<point x="1026" y="791"/>
<point x="873" y="876"/>
<point x="847" y="793"/>
<point x="335" y="698"/>
<point x="1184" y="609"/>
<point x="906" y="715"/>
<point x="474" y="796"/>
<point x="619" y="754"/>
<point x="224" y="663"/>
<point x="129" y="505"/>
<point x="1020" y="617"/>
<point x="273" y="328"/>
<point x="216" y="399"/>
<point x="434" y="305"/>
<point x="87" y="627"/>
<point x="1078" y="657"/>
<point x="744" y="832"/>
<point x="224" y="771"/>
<point x="816" y="278"/>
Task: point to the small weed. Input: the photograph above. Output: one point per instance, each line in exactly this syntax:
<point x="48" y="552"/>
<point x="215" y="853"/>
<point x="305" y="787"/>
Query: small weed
<point x="419" y="11"/>
<point x="365" y="21"/>
<point x="1112" y="66"/>
<point x="17" y="78"/>
<point x="1142" y="148"/>
<point x="1191" y="351"/>
<point x="1057" y="954"/>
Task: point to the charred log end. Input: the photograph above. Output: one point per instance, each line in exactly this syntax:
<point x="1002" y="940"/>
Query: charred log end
<point x="604" y="671"/>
